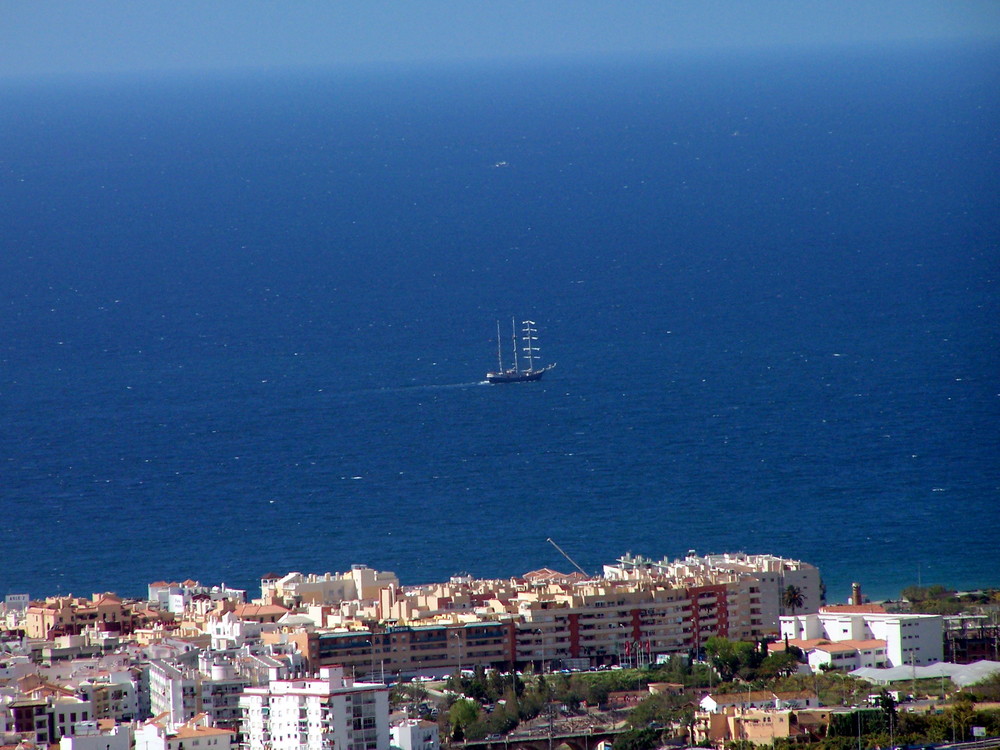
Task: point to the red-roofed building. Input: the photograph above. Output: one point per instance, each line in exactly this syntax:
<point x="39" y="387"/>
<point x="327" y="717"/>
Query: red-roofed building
<point x="68" y="615"/>
<point x="260" y="612"/>
<point x="547" y="575"/>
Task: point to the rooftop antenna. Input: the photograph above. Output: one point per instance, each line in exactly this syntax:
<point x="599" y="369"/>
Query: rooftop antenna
<point x="571" y="560"/>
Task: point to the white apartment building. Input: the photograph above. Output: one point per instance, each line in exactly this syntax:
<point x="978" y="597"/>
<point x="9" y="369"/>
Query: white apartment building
<point x="910" y="640"/>
<point x="172" y="691"/>
<point x="360" y="583"/>
<point x="182" y="693"/>
<point x="114" y="695"/>
<point x="329" y="713"/>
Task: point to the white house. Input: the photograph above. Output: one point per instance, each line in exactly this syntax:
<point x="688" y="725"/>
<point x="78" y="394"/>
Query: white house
<point x="416" y="734"/>
<point x="844" y="655"/>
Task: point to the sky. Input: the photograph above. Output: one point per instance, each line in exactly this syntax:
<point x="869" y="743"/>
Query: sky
<point x="41" y="38"/>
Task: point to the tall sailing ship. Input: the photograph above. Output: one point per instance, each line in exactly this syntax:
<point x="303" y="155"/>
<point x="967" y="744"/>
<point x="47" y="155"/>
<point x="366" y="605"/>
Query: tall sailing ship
<point x="529" y="352"/>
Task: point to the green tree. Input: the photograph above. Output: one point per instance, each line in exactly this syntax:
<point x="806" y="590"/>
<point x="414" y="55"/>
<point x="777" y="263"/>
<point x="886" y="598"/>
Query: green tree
<point x="780" y="664"/>
<point x="732" y="658"/>
<point x="962" y="713"/>
<point x="885" y="702"/>
<point x="461" y="714"/>
<point x="637" y="739"/>
<point x="793" y="598"/>
<point x="660" y="709"/>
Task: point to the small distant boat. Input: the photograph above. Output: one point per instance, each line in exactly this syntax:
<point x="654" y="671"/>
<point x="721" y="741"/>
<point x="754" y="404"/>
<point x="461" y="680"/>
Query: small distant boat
<point x="529" y="350"/>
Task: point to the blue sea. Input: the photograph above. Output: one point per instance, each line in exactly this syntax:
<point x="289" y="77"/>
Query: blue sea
<point x="245" y="319"/>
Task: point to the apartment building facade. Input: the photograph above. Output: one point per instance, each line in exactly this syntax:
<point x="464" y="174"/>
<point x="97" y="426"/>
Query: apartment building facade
<point x="332" y="712"/>
<point x="182" y="693"/>
<point x="639" y="611"/>
<point x="65" y="615"/>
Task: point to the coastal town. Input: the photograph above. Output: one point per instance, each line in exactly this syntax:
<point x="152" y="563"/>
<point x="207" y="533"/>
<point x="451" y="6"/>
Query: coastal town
<point x="725" y="651"/>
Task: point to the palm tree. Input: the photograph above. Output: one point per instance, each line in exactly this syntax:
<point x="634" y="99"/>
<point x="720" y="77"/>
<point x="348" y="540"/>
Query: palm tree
<point x="793" y="598"/>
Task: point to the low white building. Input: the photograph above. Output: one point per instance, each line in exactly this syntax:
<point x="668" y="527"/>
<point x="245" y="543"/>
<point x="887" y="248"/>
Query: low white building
<point x="295" y="588"/>
<point x="332" y="711"/>
<point x="89" y="737"/>
<point x="269" y="665"/>
<point x="176" y="596"/>
<point x="15" y="667"/>
<point x="762" y="699"/>
<point x="910" y="639"/>
<point x="844" y="655"/>
<point x="416" y="734"/>
<point x="227" y="631"/>
<point x="196" y="734"/>
<point x="67" y="713"/>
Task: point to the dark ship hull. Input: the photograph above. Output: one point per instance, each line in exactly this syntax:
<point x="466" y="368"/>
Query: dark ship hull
<point x="512" y="376"/>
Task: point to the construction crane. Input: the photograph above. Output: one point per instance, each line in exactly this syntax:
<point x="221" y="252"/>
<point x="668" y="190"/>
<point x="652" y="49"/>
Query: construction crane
<point x="571" y="560"/>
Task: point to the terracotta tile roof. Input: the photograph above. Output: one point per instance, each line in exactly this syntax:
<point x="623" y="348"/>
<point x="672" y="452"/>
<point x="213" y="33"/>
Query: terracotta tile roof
<point x="842" y="646"/>
<point x="866" y="644"/>
<point x="855" y="609"/>
<point x="197" y="730"/>
<point x="542" y="574"/>
<point x="834" y="648"/>
<point x="160" y="719"/>
<point x="258" y="610"/>
<point x="547" y="575"/>
<point x="803" y="643"/>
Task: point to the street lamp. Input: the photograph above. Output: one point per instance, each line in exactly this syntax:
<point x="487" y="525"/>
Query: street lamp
<point x="458" y="637"/>
<point x="371" y="644"/>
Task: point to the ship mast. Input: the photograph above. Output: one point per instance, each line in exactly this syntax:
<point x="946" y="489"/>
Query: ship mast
<point x="499" y="355"/>
<point x="513" y="339"/>
<point x="529" y="347"/>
